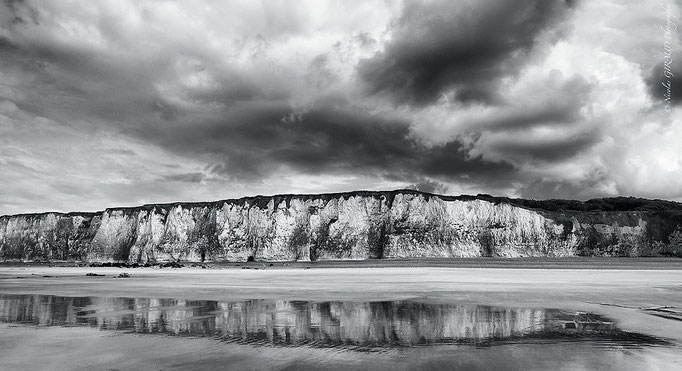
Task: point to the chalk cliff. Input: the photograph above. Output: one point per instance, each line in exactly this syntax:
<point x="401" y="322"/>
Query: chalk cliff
<point x="355" y="225"/>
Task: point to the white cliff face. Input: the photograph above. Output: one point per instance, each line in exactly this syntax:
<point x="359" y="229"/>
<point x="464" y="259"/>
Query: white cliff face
<point x="149" y="235"/>
<point x="326" y="227"/>
<point x="114" y="237"/>
<point x="47" y="236"/>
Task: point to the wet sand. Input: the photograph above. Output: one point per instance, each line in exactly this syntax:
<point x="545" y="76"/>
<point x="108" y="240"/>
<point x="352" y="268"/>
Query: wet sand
<point x="515" y="283"/>
<point x="81" y="349"/>
<point x="622" y="292"/>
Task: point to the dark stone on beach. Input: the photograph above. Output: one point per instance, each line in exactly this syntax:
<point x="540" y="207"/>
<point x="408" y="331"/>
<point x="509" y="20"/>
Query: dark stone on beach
<point x="90" y="274"/>
<point x="135" y="265"/>
<point x="114" y="265"/>
<point x="123" y="275"/>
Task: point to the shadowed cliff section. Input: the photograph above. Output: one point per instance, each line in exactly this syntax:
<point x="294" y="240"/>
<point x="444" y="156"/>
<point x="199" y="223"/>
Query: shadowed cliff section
<point x="350" y="225"/>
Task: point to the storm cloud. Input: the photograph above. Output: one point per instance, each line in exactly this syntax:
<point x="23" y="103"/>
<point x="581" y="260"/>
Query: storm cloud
<point x="253" y="142"/>
<point x="460" y="47"/>
<point x="122" y="103"/>
<point x="664" y="82"/>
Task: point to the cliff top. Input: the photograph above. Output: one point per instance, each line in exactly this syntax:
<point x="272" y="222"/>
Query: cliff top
<point x="594" y="205"/>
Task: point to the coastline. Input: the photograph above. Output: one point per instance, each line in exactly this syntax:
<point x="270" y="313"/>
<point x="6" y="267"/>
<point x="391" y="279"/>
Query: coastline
<point x="617" y="292"/>
<point x="629" y="263"/>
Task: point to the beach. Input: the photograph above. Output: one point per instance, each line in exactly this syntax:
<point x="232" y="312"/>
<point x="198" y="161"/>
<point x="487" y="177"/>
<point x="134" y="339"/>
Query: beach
<point x="624" y="293"/>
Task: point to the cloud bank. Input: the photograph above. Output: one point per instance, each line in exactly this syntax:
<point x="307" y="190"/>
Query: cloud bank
<point x="121" y="103"/>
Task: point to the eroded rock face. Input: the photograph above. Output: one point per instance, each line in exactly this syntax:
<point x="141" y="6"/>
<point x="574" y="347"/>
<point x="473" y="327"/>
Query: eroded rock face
<point x="351" y="226"/>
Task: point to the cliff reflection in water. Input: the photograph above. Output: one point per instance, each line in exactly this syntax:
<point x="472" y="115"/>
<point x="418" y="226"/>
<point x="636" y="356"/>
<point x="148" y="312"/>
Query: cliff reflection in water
<point x="325" y="324"/>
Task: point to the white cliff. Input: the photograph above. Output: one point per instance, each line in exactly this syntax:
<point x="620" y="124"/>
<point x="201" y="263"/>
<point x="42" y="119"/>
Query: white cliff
<point x="359" y="225"/>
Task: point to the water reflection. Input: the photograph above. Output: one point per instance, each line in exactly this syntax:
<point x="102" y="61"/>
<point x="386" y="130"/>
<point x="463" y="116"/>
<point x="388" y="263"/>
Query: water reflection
<point x="320" y="324"/>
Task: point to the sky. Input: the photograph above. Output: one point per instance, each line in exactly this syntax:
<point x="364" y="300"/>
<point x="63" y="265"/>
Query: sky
<point x="122" y="103"/>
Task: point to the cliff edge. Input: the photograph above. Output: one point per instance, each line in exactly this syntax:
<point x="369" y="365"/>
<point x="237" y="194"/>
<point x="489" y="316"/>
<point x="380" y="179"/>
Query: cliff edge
<point x="353" y="225"/>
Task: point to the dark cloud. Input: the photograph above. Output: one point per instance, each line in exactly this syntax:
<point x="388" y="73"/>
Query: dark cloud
<point x="443" y="45"/>
<point x="187" y="178"/>
<point x="584" y="189"/>
<point x="660" y="76"/>
<point x="240" y="128"/>
<point x="19" y="13"/>
<point x="429" y="186"/>
<point x="121" y="152"/>
<point x="6" y="46"/>
<point x="547" y="150"/>
<point x="252" y="142"/>
<point x="241" y="124"/>
<point x="452" y="161"/>
<point x="520" y="119"/>
<point x="543" y="189"/>
<point x="121" y="103"/>
<point x="557" y="105"/>
<point x="89" y="83"/>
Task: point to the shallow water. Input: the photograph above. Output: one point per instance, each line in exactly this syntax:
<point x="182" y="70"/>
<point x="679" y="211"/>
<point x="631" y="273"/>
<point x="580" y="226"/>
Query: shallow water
<point x="329" y="334"/>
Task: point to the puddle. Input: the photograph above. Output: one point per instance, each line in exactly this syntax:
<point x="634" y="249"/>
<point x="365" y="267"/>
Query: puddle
<point x="366" y="326"/>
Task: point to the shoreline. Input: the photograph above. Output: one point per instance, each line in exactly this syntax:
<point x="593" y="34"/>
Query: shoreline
<point x="622" y="286"/>
<point x="582" y="263"/>
<point x="621" y="294"/>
